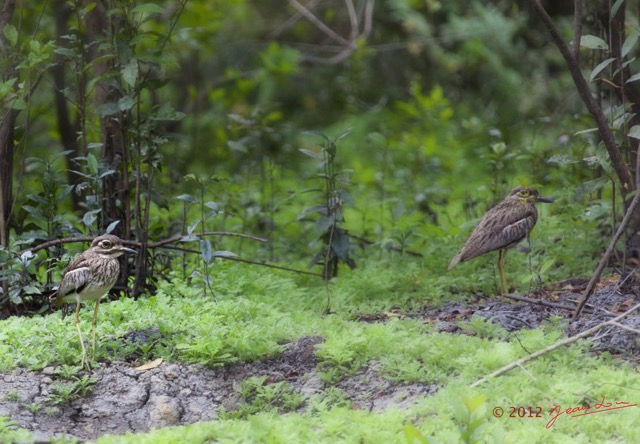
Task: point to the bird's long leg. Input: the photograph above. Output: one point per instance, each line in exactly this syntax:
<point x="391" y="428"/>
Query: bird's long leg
<point x="85" y="359"/>
<point x="93" y="328"/>
<point x="502" y="254"/>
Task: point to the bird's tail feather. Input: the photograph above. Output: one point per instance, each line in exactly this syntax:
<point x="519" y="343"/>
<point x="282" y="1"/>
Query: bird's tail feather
<point x="455" y="261"/>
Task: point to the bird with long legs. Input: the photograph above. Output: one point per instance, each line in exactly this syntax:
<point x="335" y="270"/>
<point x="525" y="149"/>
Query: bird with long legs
<point x="503" y="227"/>
<point x="89" y="277"/>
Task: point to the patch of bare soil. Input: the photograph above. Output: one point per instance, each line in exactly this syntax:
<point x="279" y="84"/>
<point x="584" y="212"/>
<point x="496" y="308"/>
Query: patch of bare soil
<point x="124" y="399"/>
<point x="608" y="301"/>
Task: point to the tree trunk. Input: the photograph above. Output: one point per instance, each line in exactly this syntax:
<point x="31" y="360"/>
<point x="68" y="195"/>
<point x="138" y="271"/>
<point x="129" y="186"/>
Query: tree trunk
<point x="68" y="130"/>
<point x="7" y="125"/>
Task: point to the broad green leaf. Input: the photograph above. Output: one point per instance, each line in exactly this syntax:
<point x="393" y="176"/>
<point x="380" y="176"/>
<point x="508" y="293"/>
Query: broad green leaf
<point x="11" y="34"/>
<point x="191" y="228"/>
<point x="205" y="250"/>
<point x="237" y="146"/>
<point x="212" y="206"/>
<point x="629" y="43"/>
<point x="18" y="104"/>
<point x="593" y="42"/>
<point x="561" y="159"/>
<point x="92" y="163"/>
<point x="224" y="253"/>
<point x="310" y="153"/>
<point x="187" y="198"/>
<point x="634" y="132"/>
<point x="149" y="8"/>
<point x="112" y="226"/>
<point x="602" y="65"/>
<point x="130" y="72"/>
<point x="616" y="6"/>
<point x="125" y="103"/>
<point x="633" y="78"/>
<point x="166" y="112"/>
<point x="108" y="109"/>
<point x="89" y="218"/>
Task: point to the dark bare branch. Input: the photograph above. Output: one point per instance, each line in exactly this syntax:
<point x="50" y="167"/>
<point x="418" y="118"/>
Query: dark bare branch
<point x="622" y="171"/>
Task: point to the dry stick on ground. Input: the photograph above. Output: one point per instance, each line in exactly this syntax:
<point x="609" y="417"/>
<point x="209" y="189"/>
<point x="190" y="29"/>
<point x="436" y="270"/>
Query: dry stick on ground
<point x="540" y="302"/>
<point x="612" y="322"/>
<point x="607" y="254"/>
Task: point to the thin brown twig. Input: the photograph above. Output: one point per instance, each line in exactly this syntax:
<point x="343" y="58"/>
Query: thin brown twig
<point x="626" y="327"/>
<point x="159" y="244"/>
<point x="246" y="261"/>
<point x="206" y="233"/>
<point x="392" y="248"/>
<point x="540" y="302"/>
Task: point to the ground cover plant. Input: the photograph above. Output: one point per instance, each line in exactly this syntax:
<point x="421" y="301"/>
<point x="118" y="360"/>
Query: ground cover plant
<point x="293" y="233"/>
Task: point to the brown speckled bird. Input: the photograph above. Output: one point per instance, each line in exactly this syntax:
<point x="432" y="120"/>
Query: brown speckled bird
<point x="503" y="227"/>
<point x="88" y="278"/>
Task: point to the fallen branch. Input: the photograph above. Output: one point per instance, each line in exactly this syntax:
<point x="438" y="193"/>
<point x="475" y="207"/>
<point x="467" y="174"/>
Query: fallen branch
<point x="540" y="302"/>
<point x="612" y="322"/>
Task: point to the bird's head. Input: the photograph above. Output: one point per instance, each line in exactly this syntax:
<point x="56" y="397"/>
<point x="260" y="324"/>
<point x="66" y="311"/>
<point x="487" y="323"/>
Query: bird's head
<point x="109" y="245"/>
<point x="527" y="195"/>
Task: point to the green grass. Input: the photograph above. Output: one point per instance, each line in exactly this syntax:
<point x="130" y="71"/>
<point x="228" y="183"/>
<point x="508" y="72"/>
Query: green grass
<point x="256" y="310"/>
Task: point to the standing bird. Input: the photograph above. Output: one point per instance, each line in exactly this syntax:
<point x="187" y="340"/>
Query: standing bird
<point x="89" y="277"/>
<point x="503" y="227"/>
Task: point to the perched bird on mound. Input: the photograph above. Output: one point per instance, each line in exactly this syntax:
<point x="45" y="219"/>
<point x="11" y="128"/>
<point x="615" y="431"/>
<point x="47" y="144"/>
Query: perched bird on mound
<point x="89" y="277"/>
<point x="503" y="227"/>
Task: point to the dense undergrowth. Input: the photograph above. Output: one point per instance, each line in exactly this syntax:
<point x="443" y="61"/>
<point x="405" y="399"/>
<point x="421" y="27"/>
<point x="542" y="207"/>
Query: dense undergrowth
<point x="256" y="310"/>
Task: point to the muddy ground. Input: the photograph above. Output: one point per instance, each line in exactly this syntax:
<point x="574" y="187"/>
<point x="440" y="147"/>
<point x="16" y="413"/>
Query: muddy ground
<point x="125" y="399"/>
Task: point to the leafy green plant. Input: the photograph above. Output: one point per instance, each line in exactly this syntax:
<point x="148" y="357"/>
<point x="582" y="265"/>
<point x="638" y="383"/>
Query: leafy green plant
<point x="12" y="396"/>
<point x="483" y="328"/>
<point x="470" y="414"/>
<point x="207" y="210"/>
<point x="10" y="433"/>
<point x="330" y="398"/>
<point x="18" y="269"/>
<point x="335" y="240"/>
<point x="64" y="393"/>
<point x="260" y="396"/>
<point x="33" y="407"/>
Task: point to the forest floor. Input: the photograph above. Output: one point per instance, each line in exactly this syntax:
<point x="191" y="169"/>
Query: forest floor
<point x="126" y="399"/>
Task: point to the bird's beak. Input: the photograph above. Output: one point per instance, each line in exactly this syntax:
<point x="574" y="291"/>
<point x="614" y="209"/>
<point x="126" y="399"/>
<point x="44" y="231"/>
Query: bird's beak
<point x="545" y="199"/>
<point x="128" y="250"/>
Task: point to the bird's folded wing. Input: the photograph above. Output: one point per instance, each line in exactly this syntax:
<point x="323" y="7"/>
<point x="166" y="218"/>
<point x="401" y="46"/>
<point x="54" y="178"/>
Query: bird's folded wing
<point x="499" y="229"/>
<point x="74" y="281"/>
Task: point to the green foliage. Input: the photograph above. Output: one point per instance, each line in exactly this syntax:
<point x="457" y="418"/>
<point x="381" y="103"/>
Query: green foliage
<point x="64" y="393"/>
<point x="471" y="414"/>
<point x="218" y="93"/>
<point x="10" y="433"/>
<point x="257" y="310"/>
<point x="259" y="396"/>
<point x="335" y="240"/>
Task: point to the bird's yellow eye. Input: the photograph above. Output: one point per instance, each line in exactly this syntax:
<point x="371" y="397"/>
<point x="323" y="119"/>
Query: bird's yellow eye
<point x="524" y="193"/>
<point x="105" y="244"/>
